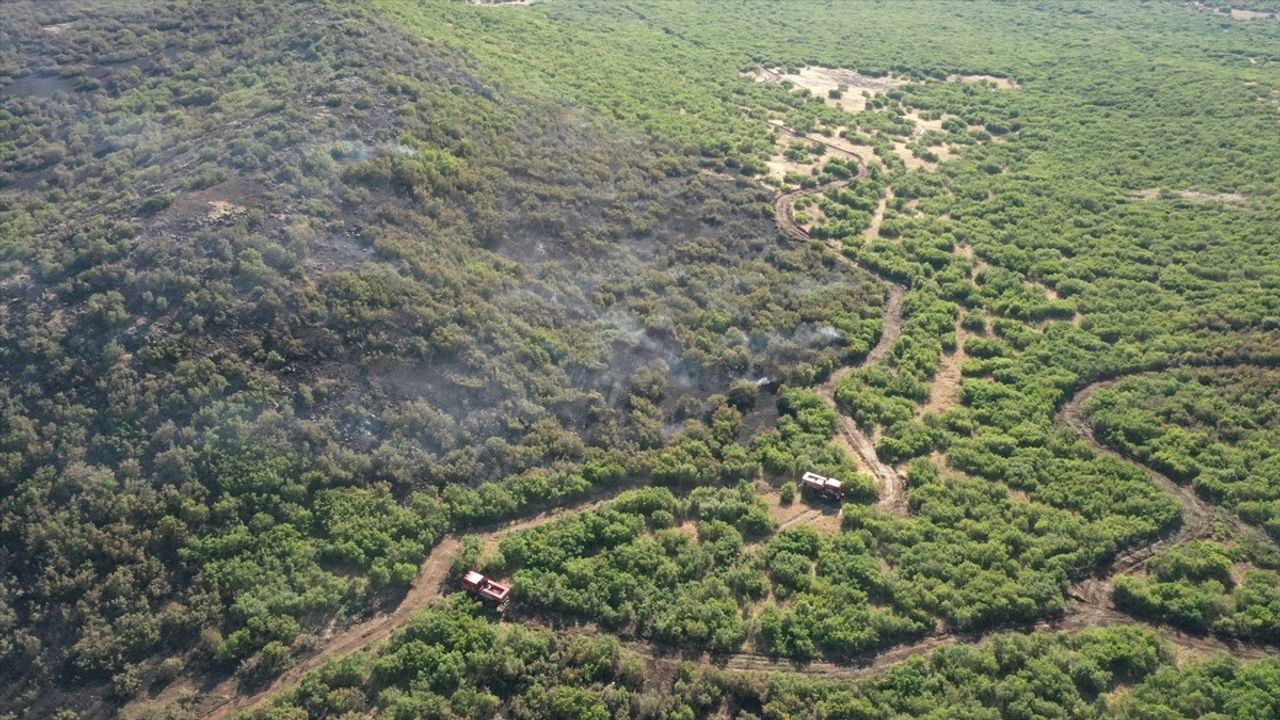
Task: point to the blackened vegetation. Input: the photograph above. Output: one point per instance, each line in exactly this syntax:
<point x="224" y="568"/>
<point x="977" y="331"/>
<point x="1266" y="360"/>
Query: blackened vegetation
<point x="273" y="274"/>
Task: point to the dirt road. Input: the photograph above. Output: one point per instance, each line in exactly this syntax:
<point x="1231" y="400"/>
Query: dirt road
<point x="1198" y="515"/>
<point x="432" y="582"/>
<point x="1091" y="598"/>
<point x="1089" y="607"/>
<point x="893" y="487"/>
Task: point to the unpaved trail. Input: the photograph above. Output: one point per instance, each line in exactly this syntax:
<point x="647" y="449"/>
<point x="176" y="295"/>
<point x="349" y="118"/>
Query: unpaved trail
<point x="893" y="493"/>
<point x="1090" y="604"/>
<point x="805" y="516"/>
<point x="821" y="140"/>
<point x="944" y="391"/>
<point x="1198" y="515"/>
<point x="893" y="487"/>
<point x="1078" y="617"/>
<point x="430" y="584"/>
<point x="873" y="230"/>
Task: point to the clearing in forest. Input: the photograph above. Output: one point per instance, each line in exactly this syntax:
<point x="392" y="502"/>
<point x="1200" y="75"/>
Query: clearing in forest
<point x="944" y="391"/>
<point x="1000" y="83"/>
<point x="1238" y="13"/>
<point x="853" y="88"/>
<point x="1189" y="195"/>
<point x="823" y="516"/>
<point x="219" y="209"/>
<point x="850" y="90"/>
<point x="798" y="154"/>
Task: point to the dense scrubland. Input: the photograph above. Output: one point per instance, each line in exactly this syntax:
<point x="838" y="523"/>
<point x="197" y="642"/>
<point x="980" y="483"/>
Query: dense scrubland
<point x="449" y="663"/>
<point x="292" y="290"/>
<point x="1215" y="429"/>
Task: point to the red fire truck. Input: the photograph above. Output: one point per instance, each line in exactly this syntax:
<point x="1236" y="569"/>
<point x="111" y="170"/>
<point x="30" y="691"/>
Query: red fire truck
<point x="826" y="487"/>
<point x="494" y="593"/>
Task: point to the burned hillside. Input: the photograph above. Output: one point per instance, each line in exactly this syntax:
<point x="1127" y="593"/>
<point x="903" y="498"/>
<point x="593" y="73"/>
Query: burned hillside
<point x="263" y="259"/>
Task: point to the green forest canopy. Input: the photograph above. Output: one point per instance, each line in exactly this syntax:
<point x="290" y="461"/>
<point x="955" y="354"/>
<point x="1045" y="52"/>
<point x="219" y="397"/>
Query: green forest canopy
<point x="294" y="289"/>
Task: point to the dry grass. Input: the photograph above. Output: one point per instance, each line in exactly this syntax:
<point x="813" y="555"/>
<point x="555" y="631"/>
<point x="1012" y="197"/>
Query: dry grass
<point x="821" y="81"/>
<point x="924" y="124"/>
<point x="219" y="209"/>
<point x="823" y="517"/>
<point x="855" y="88"/>
<point x="1239" y="14"/>
<point x="944" y="391"/>
<point x="833" y="147"/>
<point x="1191" y="195"/>
<point x="999" y="82"/>
<point x="873" y="230"/>
<point x="813" y="216"/>
<point x="780" y="166"/>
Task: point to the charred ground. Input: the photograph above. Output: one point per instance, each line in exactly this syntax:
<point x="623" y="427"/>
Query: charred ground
<point x="265" y="264"/>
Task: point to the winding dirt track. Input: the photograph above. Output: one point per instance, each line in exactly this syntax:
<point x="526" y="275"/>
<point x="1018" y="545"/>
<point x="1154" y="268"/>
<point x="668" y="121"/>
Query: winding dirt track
<point x="431" y="583"/>
<point x="776" y="125"/>
<point x="1090" y="604"/>
<point x="1198" y="516"/>
<point x="893" y="487"/>
<point x="1090" y="599"/>
<point x="1078" y="617"/>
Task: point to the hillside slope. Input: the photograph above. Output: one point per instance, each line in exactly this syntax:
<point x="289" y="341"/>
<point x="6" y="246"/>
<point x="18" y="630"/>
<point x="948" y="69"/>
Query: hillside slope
<point x="278" y="274"/>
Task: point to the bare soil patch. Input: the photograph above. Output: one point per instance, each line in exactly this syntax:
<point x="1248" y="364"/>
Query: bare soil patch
<point x="1237" y="13"/>
<point x="1000" y="83"/>
<point x="924" y="124"/>
<point x="821" y="81"/>
<point x="224" y="201"/>
<point x="873" y="230"/>
<point x="1019" y="496"/>
<point x="915" y="162"/>
<point x="824" y="517"/>
<point x="219" y="209"/>
<point x="39" y="86"/>
<point x="908" y="158"/>
<point x="866" y="152"/>
<point x="944" y="392"/>
<point x="1241" y="14"/>
<point x="1191" y="195"/>
<point x="811" y="216"/>
<point x="780" y="165"/>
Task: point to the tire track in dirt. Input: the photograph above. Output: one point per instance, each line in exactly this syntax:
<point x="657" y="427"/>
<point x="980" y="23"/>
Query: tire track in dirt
<point x="849" y="154"/>
<point x="1078" y="617"/>
<point x="893" y="486"/>
<point x="1199" y="516"/>
<point x="1090" y="605"/>
<point x="948" y="379"/>
<point x="806" y="516"/>
<point x="430" y="584"/>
